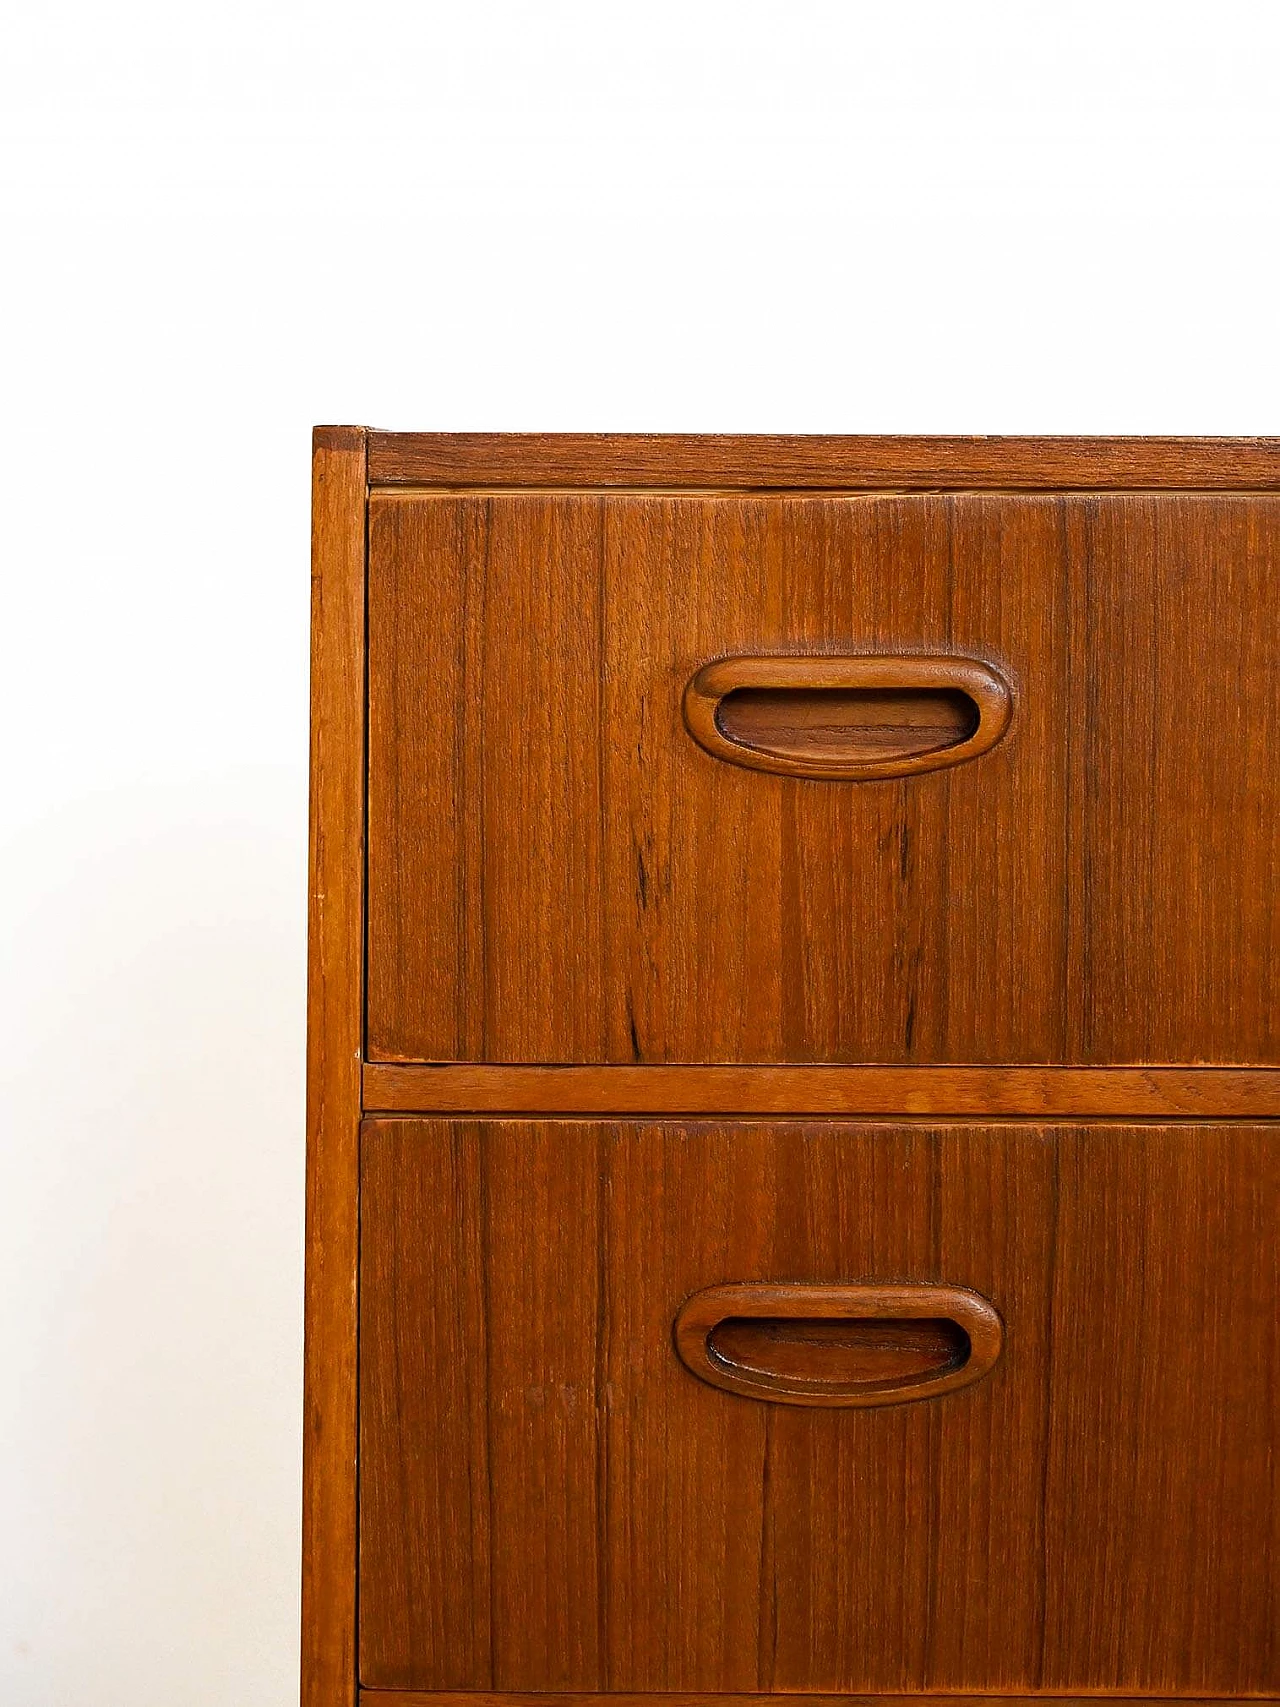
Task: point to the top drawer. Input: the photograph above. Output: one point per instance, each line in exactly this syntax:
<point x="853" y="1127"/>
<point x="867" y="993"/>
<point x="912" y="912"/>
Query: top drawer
<point x="560" y="872"/>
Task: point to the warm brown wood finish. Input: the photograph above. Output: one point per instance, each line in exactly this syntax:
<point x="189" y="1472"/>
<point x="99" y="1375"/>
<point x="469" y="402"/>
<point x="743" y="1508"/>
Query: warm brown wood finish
<point x="1147" y="1093"/>
<point x="813" y="1230"/>
<point x="800" y="1343"/>
<point x="486" y="1698"/>
<point x="1099" y="887"/>
<point x="550" y="1500"/>
<point x="816" y="461"/>
<point x="847" y="719"/>
<point x="335" y="1015"/>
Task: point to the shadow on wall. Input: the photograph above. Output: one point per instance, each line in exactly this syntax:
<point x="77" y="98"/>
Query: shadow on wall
<point x="151" y="1230"/>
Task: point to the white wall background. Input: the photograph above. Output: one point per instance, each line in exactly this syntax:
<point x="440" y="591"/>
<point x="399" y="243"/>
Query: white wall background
<point x="223" y="224"/>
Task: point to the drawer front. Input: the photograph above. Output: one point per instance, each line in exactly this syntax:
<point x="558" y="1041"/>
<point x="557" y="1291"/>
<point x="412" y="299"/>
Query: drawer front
<point x="626" y="1418"/>
<point x="586" y="845"/>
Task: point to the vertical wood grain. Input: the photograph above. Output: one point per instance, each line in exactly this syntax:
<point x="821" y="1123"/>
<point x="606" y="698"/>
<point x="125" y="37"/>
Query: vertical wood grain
<point x="1101" y="887"/>
<point x="1096" y="1514"/>
<point x="549" y="1501"/>
<point x="540" y="801"/>
<point x="543" y="1209"/>
<point x="685" y="1479"/>
<point x="1175" y="715"/>
<point x="425" y="1250"/>
<point x="1162" y="1561"/>
<point x="428" y="751"/>
<point x="334" y="1028"/>
<point x="677" y="577"/>
<point x="484" y="795"/>
<point x="996" y="1224"/>
<point x="892" y="1530"/>
<point x="998" y="867"/>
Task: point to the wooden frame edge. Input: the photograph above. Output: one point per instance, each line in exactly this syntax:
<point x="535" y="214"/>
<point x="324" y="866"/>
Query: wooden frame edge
<point x="674" y="1698"/>
<point x="1029" y="1093"/>
<point x="818" y="462"/>
<point x="335" y="968"/>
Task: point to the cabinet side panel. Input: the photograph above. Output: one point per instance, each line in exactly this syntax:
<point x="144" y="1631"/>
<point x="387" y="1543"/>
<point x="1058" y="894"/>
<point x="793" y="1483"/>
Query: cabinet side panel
<point x="334" y="1020"/>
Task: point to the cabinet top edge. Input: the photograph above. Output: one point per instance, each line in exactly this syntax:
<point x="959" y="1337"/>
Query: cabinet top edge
<point x="818" y="461"/>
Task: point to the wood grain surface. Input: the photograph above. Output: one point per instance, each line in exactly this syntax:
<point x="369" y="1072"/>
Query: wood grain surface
<point x="800" y="461"/>
<point x="842" y="719"/>
<point x="654" y="1033"/>
<point x="1223" y="1093"/>
<point x="549" y="1501"/>
<point x="486" y="1698"/>
<point x="335" y="1017"/>
<point x="558" y="874"/>
<point x="801" y="1343"/>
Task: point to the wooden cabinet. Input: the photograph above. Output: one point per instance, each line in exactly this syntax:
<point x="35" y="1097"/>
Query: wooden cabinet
<point x="793" y="1164"/>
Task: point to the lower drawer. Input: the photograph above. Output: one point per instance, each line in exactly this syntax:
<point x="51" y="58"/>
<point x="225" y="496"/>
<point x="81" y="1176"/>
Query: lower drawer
<point x="555" y="1495"/>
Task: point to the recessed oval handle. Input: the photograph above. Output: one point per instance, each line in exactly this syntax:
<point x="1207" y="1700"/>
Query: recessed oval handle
<point x="806" y="1344"/>
<point x="847" y="719"/>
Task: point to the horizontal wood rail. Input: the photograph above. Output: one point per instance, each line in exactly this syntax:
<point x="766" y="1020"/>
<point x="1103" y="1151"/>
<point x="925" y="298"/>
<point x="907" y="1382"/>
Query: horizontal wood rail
<point x="486" y="1698"/>
<point x="817" y="462"/>
<point x="1206" y="1093"/>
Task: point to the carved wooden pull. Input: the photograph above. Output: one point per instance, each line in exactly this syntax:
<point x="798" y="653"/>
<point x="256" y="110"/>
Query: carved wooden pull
<point x="803" y="1344"/>
<point x="847" y="719"/>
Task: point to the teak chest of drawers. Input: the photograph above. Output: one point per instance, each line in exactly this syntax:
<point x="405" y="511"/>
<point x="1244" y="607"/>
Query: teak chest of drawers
<point x="794" y="1069"/>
